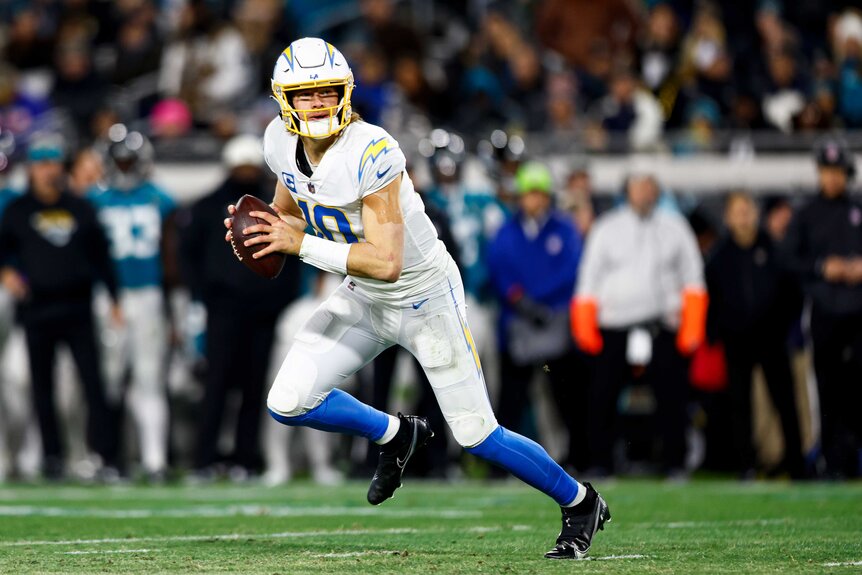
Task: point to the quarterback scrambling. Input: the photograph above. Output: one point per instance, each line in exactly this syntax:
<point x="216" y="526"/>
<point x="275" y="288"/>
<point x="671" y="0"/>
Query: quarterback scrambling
<point x="346" y="181"/>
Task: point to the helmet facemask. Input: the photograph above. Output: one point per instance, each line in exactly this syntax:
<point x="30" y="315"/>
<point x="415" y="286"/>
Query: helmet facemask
<point x="333" y="118"/>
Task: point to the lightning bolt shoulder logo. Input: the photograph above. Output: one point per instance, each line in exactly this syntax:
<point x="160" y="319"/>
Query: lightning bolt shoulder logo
<point x="372" y="151"/>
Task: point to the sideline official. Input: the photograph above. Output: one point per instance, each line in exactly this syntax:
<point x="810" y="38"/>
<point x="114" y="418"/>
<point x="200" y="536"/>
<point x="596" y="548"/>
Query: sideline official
<point x="824" y="248"/>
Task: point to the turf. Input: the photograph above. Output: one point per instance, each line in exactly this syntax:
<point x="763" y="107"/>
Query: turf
<point x="429" y="528"/>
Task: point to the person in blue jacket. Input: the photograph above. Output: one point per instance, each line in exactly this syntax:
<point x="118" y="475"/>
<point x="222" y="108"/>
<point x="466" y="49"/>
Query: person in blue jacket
<point x="533" y="264"/>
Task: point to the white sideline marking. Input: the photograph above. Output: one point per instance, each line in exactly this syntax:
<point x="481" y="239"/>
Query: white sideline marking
<point x="107" y="551"/>
<point x="231" y="511"/>
<point x="223" y="537"/>
<point x="702" y="524"/>
<point x="844" y="564"/>
<point x="483" y="529"/>
<point x="353" y="554"/>
<point x="614" y="557"/>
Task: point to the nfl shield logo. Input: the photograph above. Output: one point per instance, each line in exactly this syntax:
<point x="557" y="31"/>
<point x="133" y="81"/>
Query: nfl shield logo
<point x="310" y="188"/>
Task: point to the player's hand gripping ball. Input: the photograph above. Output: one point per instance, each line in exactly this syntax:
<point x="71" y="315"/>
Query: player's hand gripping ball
<point x="269" y="266"/>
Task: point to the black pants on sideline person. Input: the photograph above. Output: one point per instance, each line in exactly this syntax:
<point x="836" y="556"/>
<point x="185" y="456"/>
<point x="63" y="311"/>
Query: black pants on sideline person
<point x="568" y="378"/>
<point x="668" y="376"/>
<point x="837" y="342"/>
<point x="43" y="339"/>
<point x="770" y="352"/>
<point x="239" y="354"/>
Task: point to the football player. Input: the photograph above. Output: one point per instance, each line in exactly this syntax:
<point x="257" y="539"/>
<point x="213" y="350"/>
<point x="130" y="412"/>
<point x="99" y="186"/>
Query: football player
<point x="135" y="212"/>
<point x="346" y="180"/>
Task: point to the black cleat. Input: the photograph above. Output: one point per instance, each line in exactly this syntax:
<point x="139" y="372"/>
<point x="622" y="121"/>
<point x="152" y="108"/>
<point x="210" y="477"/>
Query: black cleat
<point x="580" y="523"/>
<point x="413" y="434"/>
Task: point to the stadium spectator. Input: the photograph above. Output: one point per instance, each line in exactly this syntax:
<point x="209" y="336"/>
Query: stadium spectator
<point x="207" y="65"/>
<point x="629" y="114"/>
<point x="784" y="95"/>
<point x="79" y="88"/>
<point x="706" y="66"/>
<point x="170" y="118"/>
<point x="848" y="52"/>
<point x="87" y="170"/>
<point x="640" y="301"/>
<point x="576" y="199"/>
<point x="242" y="310"/>
<point x="777" y="213"/>
<point x="574" y="28"/>
<point x="28" y="46"/>
<point x="533" y="264"/>
<point x="702" y="122"/>
<point x="752" y="303"/>
<point x="824" y="248"/>
<point x="138" y="217"/>
<point x="53" y="251"/>
<point x="657" y="57"/>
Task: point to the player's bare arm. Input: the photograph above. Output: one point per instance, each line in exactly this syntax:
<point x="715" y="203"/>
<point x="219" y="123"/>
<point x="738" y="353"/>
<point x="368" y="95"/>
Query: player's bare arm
<point x="381" y="256"/>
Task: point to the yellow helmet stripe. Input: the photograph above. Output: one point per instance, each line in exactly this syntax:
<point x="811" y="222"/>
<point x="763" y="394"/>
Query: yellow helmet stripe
<point x="288" y="56"/>
<point x="331" y="50"/>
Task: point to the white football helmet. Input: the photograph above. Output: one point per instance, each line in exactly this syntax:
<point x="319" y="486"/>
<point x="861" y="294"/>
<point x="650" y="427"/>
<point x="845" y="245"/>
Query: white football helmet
<point x="312" y="63"/>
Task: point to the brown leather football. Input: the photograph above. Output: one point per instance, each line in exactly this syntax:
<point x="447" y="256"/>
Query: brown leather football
<point x="269" y="266"/>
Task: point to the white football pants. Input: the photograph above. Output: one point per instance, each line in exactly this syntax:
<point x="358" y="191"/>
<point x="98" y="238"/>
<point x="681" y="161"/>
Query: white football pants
<point x="350" y="329"/>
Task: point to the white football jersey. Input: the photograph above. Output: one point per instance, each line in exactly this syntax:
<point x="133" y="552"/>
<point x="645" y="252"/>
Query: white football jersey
<point x="361" y="161"/>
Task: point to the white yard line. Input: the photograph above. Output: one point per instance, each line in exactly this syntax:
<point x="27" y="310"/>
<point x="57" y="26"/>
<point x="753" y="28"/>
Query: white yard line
<point x="106" y="551"/>
<point x="231" y="511"/>
<point x="222" y="537"/>
<point x="615" y="557"/>
<point x="843" y="564"/>
<point x="706" y="524"/>
<point x="353" y="554"/>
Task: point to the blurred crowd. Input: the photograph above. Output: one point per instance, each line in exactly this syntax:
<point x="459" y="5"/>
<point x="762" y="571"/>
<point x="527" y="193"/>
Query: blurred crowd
<point x="623" y="331"/>
<point x="616" y="75"/>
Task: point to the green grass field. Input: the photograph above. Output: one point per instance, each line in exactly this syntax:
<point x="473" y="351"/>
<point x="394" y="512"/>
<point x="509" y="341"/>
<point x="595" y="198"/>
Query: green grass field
<point x="436" y="528"/>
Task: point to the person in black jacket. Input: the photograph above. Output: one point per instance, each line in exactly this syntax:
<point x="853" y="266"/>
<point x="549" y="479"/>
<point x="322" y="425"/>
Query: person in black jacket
<point x="53" y="249"/>
<point x="752" y="302"/>
<point x="824" y="248"/>
<point x="242" y="310"/>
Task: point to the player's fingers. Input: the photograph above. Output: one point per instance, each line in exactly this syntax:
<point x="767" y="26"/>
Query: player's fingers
<point x="268" y="217"/>
<point x="231" y="209"/>
<point x="261" y="239"/>
<point x="228" y="223"/>
<point x="228" y="236"/>
<point x="257" y="229"/>
<point x="266" y="250"/>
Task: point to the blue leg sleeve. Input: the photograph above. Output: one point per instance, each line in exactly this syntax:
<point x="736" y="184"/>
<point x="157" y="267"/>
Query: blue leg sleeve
<point x="529" y="462"/>
<point x="342" y="413"/>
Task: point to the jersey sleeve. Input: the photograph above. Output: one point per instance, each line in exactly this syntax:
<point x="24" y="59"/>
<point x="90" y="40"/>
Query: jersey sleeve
<point x="167" y="203"/>
<point x="269" y="147"/>
<point x="380" y="161"/>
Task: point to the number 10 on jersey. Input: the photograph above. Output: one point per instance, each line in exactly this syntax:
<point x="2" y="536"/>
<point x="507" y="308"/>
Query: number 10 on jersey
<point x="327" y="220"/>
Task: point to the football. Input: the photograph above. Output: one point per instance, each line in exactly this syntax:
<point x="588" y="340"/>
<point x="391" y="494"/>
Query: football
<point x="268" y="266"/>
